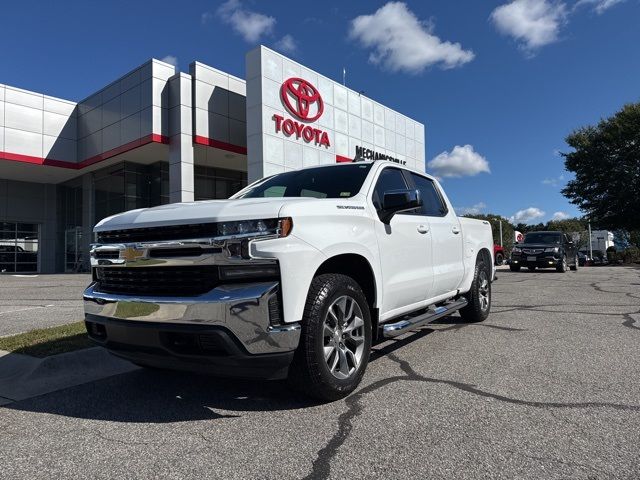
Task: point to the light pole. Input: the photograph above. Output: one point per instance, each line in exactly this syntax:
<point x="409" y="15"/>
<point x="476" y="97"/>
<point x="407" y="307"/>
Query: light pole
<point x="590" y="244"/>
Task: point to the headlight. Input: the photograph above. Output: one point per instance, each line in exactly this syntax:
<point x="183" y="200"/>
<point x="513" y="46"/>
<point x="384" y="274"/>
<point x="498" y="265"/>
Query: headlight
<point x="516" y="250"/>
<point x="552" y="250"/>
<point x="246" y="228"/>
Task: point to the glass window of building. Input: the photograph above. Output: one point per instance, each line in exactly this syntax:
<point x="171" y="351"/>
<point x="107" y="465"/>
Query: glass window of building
<point x="19" y="244"/>
<point x="217" y="183"/>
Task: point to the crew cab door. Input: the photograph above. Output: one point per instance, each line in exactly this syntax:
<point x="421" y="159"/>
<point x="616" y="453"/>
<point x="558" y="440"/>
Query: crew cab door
<point x="446" y="237"/>
<point x="405" y="250"/>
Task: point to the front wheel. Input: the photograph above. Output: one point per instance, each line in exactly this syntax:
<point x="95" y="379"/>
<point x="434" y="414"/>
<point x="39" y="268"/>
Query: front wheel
<point x="563" y="265"/>
<point x="514" y="268"/>
<point x="479" y="297"/>
<point x="334" y="348"/>
<point x="575" y="266"/>
<point x="499" y="259"/>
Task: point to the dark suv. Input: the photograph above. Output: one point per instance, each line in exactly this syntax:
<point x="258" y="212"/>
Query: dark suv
<point x="545" y="250"/>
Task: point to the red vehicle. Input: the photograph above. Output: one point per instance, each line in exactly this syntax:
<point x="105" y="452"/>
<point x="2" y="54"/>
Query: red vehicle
<point x="498" y="254"/>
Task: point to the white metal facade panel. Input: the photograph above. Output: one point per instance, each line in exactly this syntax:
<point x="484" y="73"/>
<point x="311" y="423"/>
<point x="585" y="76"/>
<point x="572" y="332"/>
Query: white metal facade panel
<point x="58" y="148"/>
<point x="23" y="142"/>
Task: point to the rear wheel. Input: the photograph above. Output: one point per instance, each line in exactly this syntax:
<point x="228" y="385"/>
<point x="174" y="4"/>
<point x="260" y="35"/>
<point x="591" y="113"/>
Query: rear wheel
<point x="479" y="297"/>
<point x="499" y="258"/>
<point x="336" y="339"/>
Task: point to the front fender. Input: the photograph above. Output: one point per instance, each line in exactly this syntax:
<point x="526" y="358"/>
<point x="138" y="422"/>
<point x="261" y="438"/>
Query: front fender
<point x="298" y="263"/>
<point x="363" y="250"/>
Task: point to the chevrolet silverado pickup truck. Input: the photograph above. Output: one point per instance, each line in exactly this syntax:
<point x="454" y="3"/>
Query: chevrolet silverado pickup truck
<point x="292" y="277"/>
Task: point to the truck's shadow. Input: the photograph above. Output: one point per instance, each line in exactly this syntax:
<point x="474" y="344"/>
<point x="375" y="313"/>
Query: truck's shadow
<point x="149" y="396"/>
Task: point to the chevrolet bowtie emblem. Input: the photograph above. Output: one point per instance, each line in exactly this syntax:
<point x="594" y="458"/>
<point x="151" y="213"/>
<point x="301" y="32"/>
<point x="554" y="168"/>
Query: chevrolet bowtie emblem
<point x="132" y="253"/>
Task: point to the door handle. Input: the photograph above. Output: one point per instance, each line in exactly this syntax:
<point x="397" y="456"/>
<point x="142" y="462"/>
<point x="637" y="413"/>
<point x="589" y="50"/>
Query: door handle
<point x="423" y="229"/>
<point x="455" y="229"/>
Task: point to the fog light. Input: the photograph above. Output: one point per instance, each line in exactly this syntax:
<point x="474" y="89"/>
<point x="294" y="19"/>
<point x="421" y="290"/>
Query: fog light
<point x="550" y="263"/>
<point x="241" y="272"/>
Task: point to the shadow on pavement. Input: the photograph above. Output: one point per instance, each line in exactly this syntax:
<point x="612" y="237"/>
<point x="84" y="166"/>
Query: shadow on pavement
<point x="155" y="396"/>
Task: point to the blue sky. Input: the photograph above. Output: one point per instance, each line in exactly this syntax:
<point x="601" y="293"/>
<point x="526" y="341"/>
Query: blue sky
<point x="508" y="78"/>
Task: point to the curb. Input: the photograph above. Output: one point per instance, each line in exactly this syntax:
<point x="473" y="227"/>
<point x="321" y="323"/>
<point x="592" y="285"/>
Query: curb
<point x="23" y="377"/>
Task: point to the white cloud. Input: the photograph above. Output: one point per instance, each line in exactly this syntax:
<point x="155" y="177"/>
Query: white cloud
<point x="600" y="6"/>
<point x="533" y="23"/>
<point x="250" y="25"/>
<point x="171" y="59"/>
<point x="554" y="182"/>
<point x="526" y="216"/>
<point x="473" y="210"/>
<point x="401" y="42"/>
<point x="287" y="44"/>
<point x="461" y="161"/>
<point x="560" y="216"/>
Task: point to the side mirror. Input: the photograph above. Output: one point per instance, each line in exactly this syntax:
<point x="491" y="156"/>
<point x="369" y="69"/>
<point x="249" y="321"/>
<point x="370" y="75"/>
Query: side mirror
<point x="396" y="201"/>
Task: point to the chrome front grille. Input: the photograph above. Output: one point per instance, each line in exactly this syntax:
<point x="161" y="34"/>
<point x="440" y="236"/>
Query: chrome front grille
<point x="185" y="267"/>
<point x="533" y="251"/>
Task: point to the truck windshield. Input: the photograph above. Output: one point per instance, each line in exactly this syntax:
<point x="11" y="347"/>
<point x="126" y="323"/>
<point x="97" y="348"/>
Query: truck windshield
<point x="322" y="182"/>
<point x="542" y="237"/>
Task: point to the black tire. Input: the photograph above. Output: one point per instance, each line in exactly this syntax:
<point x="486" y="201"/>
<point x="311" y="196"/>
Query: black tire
<point x="563" y="265"/>
<point x="309" y="371"/>
<point x="514" y="268"/>
<point x="477" y="310"/>
<point x="532" y="269"/>
<point x="574" y="267"/>
<point x="499" y="259"/>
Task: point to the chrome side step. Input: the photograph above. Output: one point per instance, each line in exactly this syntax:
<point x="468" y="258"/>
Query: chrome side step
<point x="390" y="330"/>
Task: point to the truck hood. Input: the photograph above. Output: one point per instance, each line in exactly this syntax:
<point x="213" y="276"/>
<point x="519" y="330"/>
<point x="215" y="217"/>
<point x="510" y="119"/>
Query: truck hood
<point x="206" y="211"/>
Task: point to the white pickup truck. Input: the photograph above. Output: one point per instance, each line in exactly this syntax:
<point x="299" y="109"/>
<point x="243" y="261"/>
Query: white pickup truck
<point x="294" y="276"/>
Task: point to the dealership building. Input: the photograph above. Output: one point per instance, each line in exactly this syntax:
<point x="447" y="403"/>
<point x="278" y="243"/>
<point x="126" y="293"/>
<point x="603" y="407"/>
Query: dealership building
<point x="157" y="136"/>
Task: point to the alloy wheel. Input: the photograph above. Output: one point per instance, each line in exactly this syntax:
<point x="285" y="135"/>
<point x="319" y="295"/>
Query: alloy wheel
<point x="483" y="290"/>
<point x="343" y="337"/>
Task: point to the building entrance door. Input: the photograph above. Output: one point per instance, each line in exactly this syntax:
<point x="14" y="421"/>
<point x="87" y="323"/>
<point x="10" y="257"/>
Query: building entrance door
<point x="73" y="250"/>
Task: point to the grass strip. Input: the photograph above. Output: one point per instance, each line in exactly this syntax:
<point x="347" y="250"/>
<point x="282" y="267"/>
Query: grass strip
<point x="45" y="342"/>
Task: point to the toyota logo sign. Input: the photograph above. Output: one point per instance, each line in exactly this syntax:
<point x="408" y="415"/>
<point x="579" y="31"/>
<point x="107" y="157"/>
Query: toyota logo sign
<point x="302" y="99"/>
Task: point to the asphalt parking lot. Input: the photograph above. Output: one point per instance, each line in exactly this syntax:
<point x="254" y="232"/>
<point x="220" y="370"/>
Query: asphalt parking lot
<point x="547" y="387"/>
<point x="39" y="301"/>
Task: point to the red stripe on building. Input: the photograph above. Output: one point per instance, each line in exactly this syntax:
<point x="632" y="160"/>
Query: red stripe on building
<point x="341" y="159"/>
<point x="50" y="162"/>
<point x="210" y="142"/>
<point x="153" y="138"/>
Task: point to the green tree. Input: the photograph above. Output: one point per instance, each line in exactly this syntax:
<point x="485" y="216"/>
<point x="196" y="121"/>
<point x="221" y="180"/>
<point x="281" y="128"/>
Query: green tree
<point x="525" y="227"/>
<point x="575" y="227"/>
<point x="606" y="163"/>
<point x="507" y="229"/>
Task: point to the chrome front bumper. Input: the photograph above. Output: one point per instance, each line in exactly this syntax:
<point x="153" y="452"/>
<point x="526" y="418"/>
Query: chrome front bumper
<point x="240" y="309"/>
